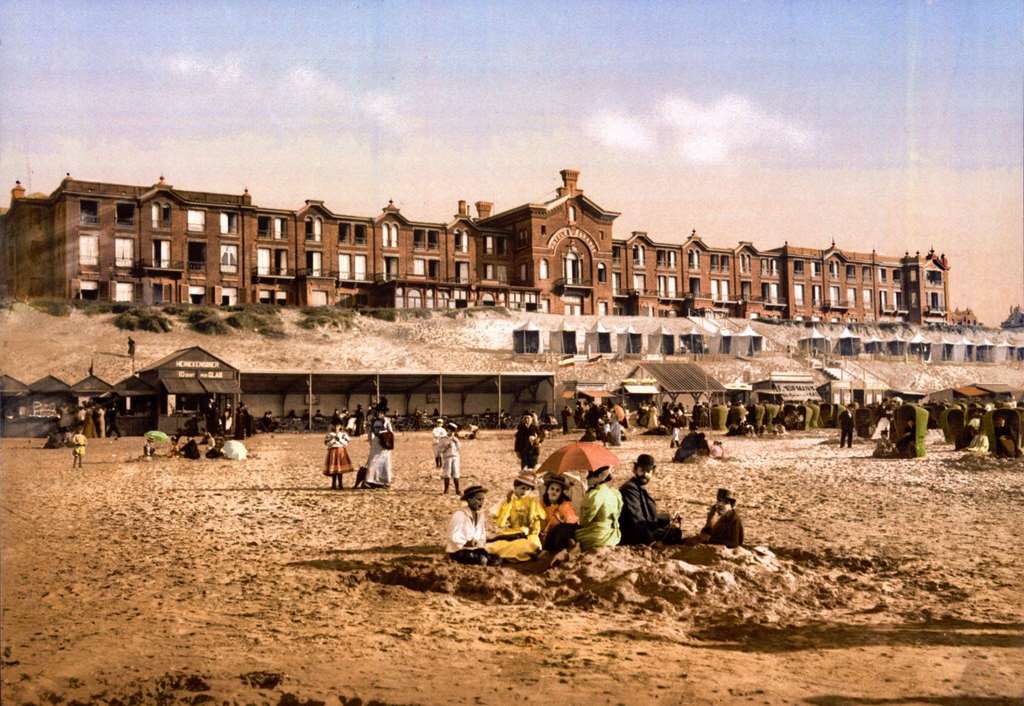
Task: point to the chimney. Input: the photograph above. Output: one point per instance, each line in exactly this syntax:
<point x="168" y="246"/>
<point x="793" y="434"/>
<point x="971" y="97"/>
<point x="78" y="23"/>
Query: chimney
<point x="483" y="209"/>
<point x="569" y="179"/>
<point x="463" y="208"/>
<point x="17" y="192"/>
<point x="246" y="197"/>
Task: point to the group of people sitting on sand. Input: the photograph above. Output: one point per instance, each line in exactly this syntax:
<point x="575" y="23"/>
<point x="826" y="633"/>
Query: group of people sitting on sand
<point x="547" y="520"/>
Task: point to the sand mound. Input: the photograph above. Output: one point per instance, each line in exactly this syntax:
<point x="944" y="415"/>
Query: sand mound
<point x="688" y="582"/>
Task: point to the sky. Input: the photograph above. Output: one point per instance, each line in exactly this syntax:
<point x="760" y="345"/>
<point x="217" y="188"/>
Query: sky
<point x="885" y="125"/>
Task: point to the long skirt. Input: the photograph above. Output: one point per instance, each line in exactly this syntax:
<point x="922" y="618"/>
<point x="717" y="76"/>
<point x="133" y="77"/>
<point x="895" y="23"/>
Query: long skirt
<point x="378" y="464"/>
<point x="337" y="462"/>
<point x="560" y="537"/>
<point x="516" y="549"/>
<point x="87" y="428"/>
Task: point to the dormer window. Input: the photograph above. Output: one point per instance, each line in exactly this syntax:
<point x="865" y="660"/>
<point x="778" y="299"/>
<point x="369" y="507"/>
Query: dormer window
<point x="314" y="229"/>
<point x="693" y="258"/>
<point x="161" y="215"/>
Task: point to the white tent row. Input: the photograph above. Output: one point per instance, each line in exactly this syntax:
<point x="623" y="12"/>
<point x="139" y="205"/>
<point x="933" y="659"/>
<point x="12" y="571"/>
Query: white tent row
<point x="571" y="338"/>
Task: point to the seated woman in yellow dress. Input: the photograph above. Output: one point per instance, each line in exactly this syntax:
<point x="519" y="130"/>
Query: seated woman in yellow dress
<point x="519" y="522"/>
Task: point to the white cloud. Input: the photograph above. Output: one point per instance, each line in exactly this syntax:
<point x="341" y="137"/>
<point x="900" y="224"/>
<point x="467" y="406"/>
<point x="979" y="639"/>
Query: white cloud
<point x="713" y="133"/>
<point x="620" y="131"/>
<point x="223" y="70"/>
<point x="322" y="93"/>
<point x="726" y="129"/>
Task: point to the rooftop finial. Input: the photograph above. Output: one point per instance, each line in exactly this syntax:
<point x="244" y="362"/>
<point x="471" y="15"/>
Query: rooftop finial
<point x="161" y="179"/>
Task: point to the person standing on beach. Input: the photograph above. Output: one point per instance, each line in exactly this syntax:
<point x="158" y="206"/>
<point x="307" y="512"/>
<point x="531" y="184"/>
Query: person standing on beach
<point x="438" y="435"/>
<point x="846" y="426"/>
<point x="112" y="427"/>
<point x="360" y="418"/>
<point x="382" y="441"/>
<point x="85" y="415"/>
<point x="78" y="442"/>
<point x="337" y="462"/>
<point x="450" y="458"/>
<point x="99" y="422"/>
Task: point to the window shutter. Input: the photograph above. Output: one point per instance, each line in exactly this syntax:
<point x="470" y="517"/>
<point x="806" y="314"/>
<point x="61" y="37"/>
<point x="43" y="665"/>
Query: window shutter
<point x="104" y="290"/>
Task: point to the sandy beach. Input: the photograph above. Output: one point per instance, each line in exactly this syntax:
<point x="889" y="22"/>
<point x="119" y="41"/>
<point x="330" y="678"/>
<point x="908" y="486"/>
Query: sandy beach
<point x="173" y="581"/>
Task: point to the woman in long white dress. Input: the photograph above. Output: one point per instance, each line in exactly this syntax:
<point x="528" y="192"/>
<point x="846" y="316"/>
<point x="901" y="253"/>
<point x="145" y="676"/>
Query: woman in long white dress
<point x="378" y="464"/>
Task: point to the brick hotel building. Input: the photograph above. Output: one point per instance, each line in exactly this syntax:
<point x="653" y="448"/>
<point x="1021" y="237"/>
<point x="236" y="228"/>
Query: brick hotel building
<point x="159" y="244"/>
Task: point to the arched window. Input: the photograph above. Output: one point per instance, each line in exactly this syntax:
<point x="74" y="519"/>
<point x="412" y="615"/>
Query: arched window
<point x="638" y="254"/>
<point x="318" y="228"/>
<point x="414" y="299"/>
<point x="544" y="269"/>
<point x="572" y="214"/>
<point x="572" y="266"/>
<point x="602" y="273"/>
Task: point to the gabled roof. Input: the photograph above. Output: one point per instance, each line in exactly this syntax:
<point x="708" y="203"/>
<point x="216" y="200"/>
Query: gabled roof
<point x="749" y="332"/>
<point x="675" y="378"/>
<point x="815" y="334"/>
<point x="9" y="385"/>
<point x="134" y="385"/>
<point x="847" y="333"/>
<point x="996" y="387"/>
<point x="529" y="326"/>
<point x="92" y="384"/>
<point x="49" y="384"/>
<point x="177" y="354"/>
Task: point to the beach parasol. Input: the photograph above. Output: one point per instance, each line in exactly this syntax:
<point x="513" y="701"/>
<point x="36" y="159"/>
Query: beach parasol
<point x="578" y="456"/>
<point x="157" y="437"/>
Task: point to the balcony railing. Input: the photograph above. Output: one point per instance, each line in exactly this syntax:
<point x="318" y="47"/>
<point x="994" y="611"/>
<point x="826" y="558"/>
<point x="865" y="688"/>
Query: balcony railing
<point x="836" y="304"/>
<point x="317" y="272"/>
<point x="197" y="266"/>
<point x="163" y="264"/>
<point x="273" y="272"/>
<point x="663" y="294"/>
<point x="87" y="219"/>
<point x="352" y="277"/>
<point x="229" y="269"/>
<point x="89" y="260"/>
<point x="936" y="311"/>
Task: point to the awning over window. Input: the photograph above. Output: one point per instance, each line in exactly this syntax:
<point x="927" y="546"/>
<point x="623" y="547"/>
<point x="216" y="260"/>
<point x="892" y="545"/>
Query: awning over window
<point x="641" y="389"/>
<point x="218" y="386"/>
<point x="183" y="386"/>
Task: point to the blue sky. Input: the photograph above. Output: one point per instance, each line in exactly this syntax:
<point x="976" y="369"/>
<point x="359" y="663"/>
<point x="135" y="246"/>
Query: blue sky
<point x="728" y="116"/>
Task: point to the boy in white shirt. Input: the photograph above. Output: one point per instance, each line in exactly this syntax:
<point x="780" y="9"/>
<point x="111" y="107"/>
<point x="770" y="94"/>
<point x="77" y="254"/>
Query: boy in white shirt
<point x="467" y="531"/>
<point x="439" y="435"/>
<point x="450" y="458"/>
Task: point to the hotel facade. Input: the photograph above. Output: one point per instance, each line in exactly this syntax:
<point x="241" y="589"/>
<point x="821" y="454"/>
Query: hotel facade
<point x="158" y="244"/>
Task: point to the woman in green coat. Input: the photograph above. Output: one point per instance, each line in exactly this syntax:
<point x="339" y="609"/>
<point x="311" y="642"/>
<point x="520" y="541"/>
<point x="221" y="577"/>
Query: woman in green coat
<point x="599" y="516"/>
